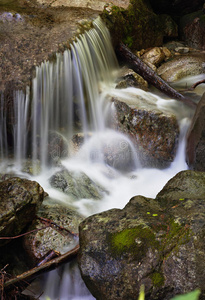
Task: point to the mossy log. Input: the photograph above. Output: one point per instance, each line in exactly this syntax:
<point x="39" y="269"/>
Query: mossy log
<point x="136" y="64"/>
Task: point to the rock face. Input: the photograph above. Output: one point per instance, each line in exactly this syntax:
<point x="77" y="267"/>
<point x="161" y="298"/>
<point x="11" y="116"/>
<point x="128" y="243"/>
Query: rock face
<point x="196" y="139"/>
<point x="20" y="200"/>
<point x="180" y="67"/>
<point x="155" y="242"/>
<point x="39" y="243"/>
<point x="154" y="133"/>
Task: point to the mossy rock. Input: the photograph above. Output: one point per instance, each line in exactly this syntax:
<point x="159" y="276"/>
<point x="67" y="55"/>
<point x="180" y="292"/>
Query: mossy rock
<point x="158" y="243"/>
<point x="138" y="26"/>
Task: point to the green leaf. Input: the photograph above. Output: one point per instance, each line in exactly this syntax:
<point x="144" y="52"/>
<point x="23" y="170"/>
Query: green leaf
<point x="190" y="296"/>
<point x="142" y="294"/>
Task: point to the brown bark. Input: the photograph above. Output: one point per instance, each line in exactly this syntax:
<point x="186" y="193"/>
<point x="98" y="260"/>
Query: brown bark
<point x="137" y="65"/>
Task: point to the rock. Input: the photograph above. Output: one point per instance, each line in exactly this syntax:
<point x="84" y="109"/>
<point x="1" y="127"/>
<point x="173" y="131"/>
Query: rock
<point x="154" y="56"/>
<point x="93" y="4"/>
<point x="39" y="243"/>
<point x="128" y="78"/>
<point x="57" y="146"/>
<point x="153" y="132"/>
<point x="129" y="26"/>
<point x="76" y="184"/>
<point x="157" y="243"/>
<point x="10" y="17"/>
<point x="195" y="148"/>
<point x="192" y="27"/>
<point x="180" y="67"/>
<point x="20" y="200"/>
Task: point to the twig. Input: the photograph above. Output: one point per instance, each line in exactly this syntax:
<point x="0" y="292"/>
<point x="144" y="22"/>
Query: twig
<point x="23" y="234"/>
<point x="61" y="228"/>
<point x="193" y="86"/>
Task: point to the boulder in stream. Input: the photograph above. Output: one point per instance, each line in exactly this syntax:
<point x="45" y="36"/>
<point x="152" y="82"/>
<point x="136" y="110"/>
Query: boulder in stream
<point x="154" y="133"/>
<point x="158" y="243"/>
<point x="20" y="200"/>
<point x="76" y="184"/>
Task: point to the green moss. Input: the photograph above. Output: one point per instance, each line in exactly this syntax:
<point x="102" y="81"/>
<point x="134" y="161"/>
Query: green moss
<point x="133" y="241"/>
<point x="132" y="25"/>
<point x="157" y="279"/>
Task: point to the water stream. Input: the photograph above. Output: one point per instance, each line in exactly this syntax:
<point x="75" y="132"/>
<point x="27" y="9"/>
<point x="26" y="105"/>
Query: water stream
<point x="69" y="96"/>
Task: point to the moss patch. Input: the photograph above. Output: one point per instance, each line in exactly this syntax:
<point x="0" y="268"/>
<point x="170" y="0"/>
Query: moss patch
<point x="157" y="279"/>
<point x="134" y="241"/>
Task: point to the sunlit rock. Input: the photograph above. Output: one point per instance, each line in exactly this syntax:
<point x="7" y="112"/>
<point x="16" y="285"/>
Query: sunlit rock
<point x="154" y="56"/>
<point x="157" y="243"/>
<point x="180" y="67"/>
<point x="20" y="200"/>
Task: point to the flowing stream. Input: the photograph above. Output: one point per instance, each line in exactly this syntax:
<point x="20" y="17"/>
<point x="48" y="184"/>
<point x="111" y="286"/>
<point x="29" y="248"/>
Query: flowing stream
<point x="70" y="96"/>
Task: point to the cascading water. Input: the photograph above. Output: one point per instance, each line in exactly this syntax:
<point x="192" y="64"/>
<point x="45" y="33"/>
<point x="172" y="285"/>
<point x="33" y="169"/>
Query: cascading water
<point x="68" y="96"/>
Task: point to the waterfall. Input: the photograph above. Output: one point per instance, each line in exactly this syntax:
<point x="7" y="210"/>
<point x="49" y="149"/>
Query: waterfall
<point x="64" y="97"/>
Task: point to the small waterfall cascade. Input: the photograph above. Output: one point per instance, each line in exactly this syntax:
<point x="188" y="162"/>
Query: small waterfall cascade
<point x="64" y="97"/>
<point x="67" y="97"/>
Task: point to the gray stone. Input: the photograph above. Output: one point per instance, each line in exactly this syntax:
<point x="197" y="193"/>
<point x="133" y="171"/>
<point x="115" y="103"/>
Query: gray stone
<point x="76" y="184"/>
<point x="20" y="200"/>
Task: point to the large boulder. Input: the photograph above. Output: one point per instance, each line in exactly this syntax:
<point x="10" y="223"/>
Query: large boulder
<point x="182" y="66"/>
<point x="20" y="200"/>
<point x="153" y="132"/>
<point x="157" y="243"/>
<point x="195" y="148"/>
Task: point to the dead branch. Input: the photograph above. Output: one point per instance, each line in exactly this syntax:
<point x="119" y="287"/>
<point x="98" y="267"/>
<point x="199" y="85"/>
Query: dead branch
<point x="137" y="65"/>
<point x="42" y="268"/>
<point x="194" y="86"/>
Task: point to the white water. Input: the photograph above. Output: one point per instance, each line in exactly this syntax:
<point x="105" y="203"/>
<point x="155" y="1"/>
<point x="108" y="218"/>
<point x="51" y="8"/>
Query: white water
<point x="58" y="90"/>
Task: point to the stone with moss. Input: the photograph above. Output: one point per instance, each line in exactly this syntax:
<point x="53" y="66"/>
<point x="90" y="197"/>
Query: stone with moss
<point x="138" y="26"/>
<point x="158" y="243"/>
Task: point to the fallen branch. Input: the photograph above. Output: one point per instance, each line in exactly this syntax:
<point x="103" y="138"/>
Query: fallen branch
<point x="42" y="268"/>
<point x="194" y="86"/>
<point x="137" y="65"/>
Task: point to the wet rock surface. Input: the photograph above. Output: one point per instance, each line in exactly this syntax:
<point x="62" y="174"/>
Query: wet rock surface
<point x="182" y="66"/>
<point x="154" y="133"/>
<point x="20" y="200"/>
<point x="196" y="139"/>
<point x="76" y="184"/>
<point x="60" y="231"/>
<point x="156" y="242"/>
